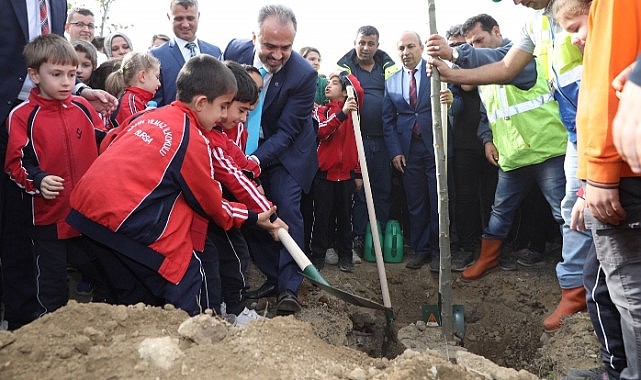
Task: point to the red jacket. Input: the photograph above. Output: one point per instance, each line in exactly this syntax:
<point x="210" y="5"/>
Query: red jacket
<point x="131" y="102"/>
<point x="337" y="154"/>
<point x="238" y="135"/>
<point x="142" y="193"/>
<point x="229" y="164"/>
<point x="51" y="137"/>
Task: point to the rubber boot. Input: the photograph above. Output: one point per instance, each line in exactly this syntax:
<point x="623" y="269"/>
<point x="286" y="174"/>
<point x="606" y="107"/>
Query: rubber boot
<point x="488" y="260"/>
<point x="572" y="301"/>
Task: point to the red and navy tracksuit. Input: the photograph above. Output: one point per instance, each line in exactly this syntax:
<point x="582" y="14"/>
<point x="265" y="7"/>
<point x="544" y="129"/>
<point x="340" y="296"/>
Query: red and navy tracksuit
<point x="143" y="198"/>
<point x="334" y="182"/>
<point x="132" y="101"/>
<point x="227" y="255"/>
<point x="52" y="137"/>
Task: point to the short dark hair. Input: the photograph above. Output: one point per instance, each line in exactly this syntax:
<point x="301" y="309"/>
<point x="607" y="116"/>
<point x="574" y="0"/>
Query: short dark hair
<point x="368" y="30"/>
<point x="82" y="11"/>
<point x="204" y="75"/>
<point x="184" y="3"/>
<point x="50" y="48"/>
<point x="487" y="23"/>
<point x="454" y="31"/>
<point x="247" y="91"/>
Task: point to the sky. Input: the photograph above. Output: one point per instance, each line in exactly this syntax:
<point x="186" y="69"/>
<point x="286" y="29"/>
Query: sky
<point x="328" y="25"/>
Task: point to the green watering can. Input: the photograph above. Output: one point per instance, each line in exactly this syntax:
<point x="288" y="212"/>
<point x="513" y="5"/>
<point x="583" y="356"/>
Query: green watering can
<point x="393" y="244"/>
<point x="368" y="250"/>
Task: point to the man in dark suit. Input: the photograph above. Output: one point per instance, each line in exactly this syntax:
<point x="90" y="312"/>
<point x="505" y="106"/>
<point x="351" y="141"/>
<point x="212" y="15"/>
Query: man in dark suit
<point x="184" y="16"/>
<point x="407" y="129"/>
<point x="287" y="145"/>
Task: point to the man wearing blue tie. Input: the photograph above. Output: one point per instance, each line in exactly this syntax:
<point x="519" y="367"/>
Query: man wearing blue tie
<point x="287" y="143"/>
<point x="184" y="16"/>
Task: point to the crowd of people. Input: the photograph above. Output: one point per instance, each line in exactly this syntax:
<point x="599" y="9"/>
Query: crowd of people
<point x="160" y="175"/>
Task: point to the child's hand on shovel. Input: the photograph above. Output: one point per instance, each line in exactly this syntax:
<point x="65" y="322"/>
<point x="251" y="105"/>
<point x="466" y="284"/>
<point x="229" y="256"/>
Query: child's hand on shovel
<point x="269" y="221"/>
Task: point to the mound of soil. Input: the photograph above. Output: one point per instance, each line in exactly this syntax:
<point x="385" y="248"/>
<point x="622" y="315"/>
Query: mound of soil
<point x="329" y="339"/>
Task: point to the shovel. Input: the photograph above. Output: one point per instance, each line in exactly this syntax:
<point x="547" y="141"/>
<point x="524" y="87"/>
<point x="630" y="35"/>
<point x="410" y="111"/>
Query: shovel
<point x="312" y="274"/>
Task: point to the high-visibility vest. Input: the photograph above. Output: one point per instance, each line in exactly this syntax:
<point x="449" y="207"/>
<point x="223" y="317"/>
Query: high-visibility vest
<point x="525" y="124"/>
<point x="562" y="62"/>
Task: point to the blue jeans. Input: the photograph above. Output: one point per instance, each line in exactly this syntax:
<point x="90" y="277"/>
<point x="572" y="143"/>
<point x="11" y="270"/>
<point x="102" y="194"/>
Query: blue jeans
<point x="618" y="248"/>
<point x="576" y="244"/>
<point x="513" y="187"/>
<point x="380" y="178"/>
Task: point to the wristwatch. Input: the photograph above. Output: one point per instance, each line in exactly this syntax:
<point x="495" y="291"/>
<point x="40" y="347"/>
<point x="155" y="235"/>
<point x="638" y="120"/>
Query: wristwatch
<point x="454" y="55"/>
<point x="81" y="89"/>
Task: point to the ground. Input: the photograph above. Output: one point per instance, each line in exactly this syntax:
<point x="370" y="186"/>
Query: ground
<point x="329" y="339"/>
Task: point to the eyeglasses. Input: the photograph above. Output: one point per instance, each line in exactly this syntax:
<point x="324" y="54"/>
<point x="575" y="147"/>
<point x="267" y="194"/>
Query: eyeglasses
<point x="82" y="25"/>
<point x="455" y="44"/>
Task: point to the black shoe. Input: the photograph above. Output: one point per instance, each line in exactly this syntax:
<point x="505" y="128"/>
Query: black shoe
<point x="267" y="289"/>
<point x="417" y="261"/>
<point x="461" y="260"/>
<point x="435" y="264"/>
<point x="287" y="303"/>
<point x="529" y="258"/>
<point x="345" y="263"/>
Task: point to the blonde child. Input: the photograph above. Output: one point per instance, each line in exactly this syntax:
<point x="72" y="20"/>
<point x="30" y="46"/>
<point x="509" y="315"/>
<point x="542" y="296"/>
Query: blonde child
<point x="137" y="80"/>
<point x="572" y="15"/>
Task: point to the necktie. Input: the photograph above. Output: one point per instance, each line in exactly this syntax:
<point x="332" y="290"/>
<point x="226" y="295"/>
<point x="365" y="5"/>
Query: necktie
<point x="192" y="48"/>
<point x="44" y="18"/>
<point x="253" y="124"/>
<point x="416" y="130"/>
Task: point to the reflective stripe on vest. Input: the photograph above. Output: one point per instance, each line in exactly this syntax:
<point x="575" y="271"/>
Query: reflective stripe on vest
<point x="506" y="111"/>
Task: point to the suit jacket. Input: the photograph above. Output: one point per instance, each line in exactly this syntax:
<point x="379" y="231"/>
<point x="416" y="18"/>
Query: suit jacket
<point x="399" y="117"/>
<point x="171" y="61"/>
<point x="289" y="135"/>
<point x="14" y="37"/>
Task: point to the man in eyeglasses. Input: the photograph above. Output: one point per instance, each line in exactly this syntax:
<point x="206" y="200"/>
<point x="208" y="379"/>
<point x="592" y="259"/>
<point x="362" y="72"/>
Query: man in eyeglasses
<point x="80" y="24"/>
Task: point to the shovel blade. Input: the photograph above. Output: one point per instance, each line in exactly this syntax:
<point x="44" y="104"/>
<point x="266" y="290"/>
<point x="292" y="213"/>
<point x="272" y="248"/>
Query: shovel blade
<point x="345" y="296"/>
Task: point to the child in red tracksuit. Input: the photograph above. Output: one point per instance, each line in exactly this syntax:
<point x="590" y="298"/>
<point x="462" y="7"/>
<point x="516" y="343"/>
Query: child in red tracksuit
<point x="338" y="167"/>
<point x="137" y="80"/>
<point x="238" y="175"/>
<point x="52" y="143"/>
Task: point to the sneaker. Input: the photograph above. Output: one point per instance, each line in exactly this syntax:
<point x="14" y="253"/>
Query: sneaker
<point x="507" y="262"/>
<point x="331" y="257"/>
<point x="345" y="264"/>
<point x="461" y="260"/>
<point x="586" y="374"/>
<point x="246" y="316"/>
<point x="529" y="258"/>
<point x="435" y="264"/>
<point x="84" y="288"/>
<point x="356" y="259"/>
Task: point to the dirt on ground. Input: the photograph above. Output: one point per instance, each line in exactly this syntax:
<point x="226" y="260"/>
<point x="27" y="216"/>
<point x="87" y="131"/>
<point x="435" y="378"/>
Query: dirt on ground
<point x="329" y="339"/>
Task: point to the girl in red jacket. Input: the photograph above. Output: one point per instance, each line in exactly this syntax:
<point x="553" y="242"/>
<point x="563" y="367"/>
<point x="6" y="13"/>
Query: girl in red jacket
<point x="338" y="167"/>
<point x="137" y="80"/>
